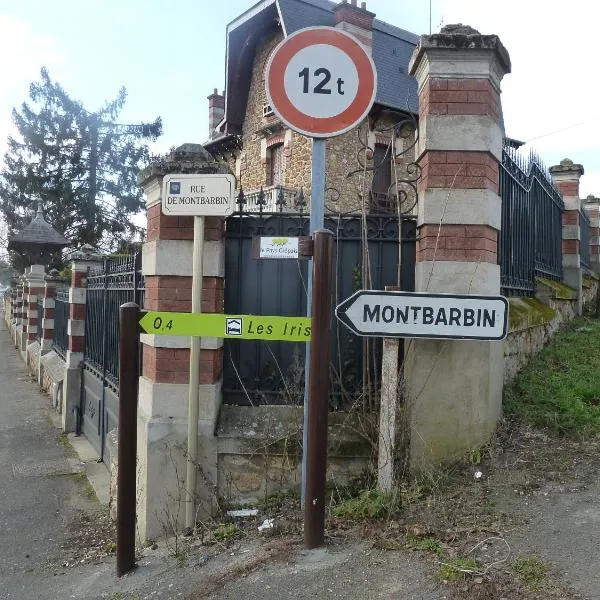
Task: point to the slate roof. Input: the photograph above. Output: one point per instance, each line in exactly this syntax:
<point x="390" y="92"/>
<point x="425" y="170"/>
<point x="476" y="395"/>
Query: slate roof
<point x="392" y="49"/>
<point x="39" y="232"/>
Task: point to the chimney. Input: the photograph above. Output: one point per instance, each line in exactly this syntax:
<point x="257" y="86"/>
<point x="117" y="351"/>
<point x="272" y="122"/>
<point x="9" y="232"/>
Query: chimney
<point x="216" y="110"/>
<point x="357" y="21"/>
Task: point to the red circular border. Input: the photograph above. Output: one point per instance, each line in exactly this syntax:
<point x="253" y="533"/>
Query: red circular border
<point x="317" y="126"/>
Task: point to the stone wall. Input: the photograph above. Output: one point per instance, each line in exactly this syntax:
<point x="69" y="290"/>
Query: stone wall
<point x="533" y="321"/>
<point x="259" y="451"/>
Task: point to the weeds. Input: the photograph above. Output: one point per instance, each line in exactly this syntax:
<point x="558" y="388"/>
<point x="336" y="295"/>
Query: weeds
<point x="370" y="504"/>
<point x="531" y="570"/>
<point x="456" y="570"/>
<point x="225" y="532"/>
<point x="559" y="389"/>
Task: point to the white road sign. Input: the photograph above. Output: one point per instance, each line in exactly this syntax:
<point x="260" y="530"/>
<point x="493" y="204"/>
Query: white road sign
<point x="321" y="81"/>
<point x="442" y="316"/>
<point x="198" y="195"/>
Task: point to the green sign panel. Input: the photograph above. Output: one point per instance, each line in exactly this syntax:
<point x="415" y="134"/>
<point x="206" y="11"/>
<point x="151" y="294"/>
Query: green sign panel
<point x="245" y="327"/>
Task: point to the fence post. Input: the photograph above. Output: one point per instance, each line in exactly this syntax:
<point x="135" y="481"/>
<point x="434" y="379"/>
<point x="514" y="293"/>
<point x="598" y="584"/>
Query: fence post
<point x="592" y="210"/>
<point x="81" y="261"/>
<point x="454" y="388"/>
<point x="163" y="389"/>
<point x="35" y="281"/>
<point x="47" y="318"/>
<point x="565" y="177"/>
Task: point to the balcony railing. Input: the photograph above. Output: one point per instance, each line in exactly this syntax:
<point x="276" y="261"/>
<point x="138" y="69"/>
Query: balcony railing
<point x="271" y="199"/>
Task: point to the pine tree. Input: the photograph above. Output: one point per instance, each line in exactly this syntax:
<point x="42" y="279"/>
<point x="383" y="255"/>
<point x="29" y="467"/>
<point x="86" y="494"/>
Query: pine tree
<point x="81" y="165"/>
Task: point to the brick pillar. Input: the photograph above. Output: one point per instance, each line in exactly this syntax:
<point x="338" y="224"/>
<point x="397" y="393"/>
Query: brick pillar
<point x="566" y="177"/>
<point x="47" y="318"/>
<point x="17" y="311"/>
<point x="592" y="210"/>
<point x="48" y="306"/>
<point x="80" y="264"/>
<point x="455" y="387"/>
<point x="21" y="341"/>
<point x="163" y="397"/>
<point x="35" y="280"/>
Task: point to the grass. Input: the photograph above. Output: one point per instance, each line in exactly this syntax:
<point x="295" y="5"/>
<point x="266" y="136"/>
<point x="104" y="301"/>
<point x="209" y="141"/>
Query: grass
<point x="425" y="544"/>
<point x="369" y="504"/>
<point x="560" y="388"/>
<point x="456" y="570"/>
<point x="530" y="569"/>
<point x="225" y="532"/>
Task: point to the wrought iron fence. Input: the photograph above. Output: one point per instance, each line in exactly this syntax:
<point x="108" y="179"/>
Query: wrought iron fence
<point x="584" y="239"/>
<point x="60" y="341"/>
<point x="116" y="281"/>
<point x="272" y="373"/>
<point x="531" y="237"/>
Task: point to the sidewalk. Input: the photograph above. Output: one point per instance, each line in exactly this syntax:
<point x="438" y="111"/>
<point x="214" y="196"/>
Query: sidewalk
<point x="44" y="499"/>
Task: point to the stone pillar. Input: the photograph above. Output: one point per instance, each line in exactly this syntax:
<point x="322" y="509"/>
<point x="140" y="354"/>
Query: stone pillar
<point x="454" y="388"/>
<point x="21" y="341"/>
<point x="163" y="397"/>
<point x="592" y="210"/>
<point x="566" y="177"/>
<point x="80" y="264"/>
<point x="35" y="280"/>
<point x="17" y="307"/>
<point x="48" y="306"/>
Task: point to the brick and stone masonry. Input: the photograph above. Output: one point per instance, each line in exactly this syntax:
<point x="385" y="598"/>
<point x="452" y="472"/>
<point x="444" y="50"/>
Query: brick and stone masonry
<point x="566" y="178"/>
<point x="80" y="264"/>
<point x="163" y="395"/>
<point x="592" y="210"/>
<point x="459" y="219"/>
<point x="35" y="281"/>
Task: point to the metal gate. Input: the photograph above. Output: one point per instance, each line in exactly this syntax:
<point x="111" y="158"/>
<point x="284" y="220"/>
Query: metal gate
<point x="273" y="372"/>
<point x="117" y="281"/>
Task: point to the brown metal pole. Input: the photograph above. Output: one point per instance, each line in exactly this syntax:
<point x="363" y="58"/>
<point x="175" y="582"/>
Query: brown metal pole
<point x="318" y="398"/>
<point x="127" y="435"/>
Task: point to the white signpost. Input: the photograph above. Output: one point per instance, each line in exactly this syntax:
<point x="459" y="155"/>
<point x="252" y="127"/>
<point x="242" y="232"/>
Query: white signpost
<point x="197" y="195"/>
<point x="321" y="82"/>
<point x="416" y="315"/>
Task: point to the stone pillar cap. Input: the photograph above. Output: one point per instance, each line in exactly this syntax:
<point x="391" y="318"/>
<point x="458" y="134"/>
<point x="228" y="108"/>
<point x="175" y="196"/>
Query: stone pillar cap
<point x="567" y="166"/>
<point x="459" y="36"/>
<point x="87" y="252"/>
<point x="187" y="158"/>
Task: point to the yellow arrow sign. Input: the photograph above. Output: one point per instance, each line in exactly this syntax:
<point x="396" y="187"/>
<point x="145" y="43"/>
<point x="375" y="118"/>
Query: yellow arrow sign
<point x="245" y="327"/>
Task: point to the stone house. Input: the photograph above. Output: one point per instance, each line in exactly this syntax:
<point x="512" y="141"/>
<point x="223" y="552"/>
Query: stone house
<point x="263" y="153"/>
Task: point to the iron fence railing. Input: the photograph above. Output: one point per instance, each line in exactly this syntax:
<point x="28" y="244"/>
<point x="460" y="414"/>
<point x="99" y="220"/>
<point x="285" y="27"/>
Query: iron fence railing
<point x="116" y="281"/>
<point x="60" y="341"/>
<point x="271" y="199"/>
<point x="584" y="239"/>
<point x="530" y="242"/>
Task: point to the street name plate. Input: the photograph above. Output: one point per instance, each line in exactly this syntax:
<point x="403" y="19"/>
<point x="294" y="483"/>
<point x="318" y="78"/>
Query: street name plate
<point x="198" y="195"/>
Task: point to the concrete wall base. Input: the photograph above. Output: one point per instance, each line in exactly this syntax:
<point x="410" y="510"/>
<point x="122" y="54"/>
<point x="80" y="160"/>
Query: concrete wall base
<point x="454" y="391"/>
<point x="70" y="400"/>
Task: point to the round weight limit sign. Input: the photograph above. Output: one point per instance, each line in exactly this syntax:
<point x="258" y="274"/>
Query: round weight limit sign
<point x="321" y="82"/>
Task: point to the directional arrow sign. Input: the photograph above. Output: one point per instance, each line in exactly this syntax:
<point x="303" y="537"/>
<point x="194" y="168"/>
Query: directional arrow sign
<point x="245" y="327"/>
<point x="442" y="316"/>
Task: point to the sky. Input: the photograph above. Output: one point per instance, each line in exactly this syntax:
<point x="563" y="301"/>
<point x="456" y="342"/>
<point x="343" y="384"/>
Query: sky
<point x="171" y="55"/>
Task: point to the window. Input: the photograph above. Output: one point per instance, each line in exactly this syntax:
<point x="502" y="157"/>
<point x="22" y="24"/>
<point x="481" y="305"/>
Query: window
<point x="382" y="178"/>
<point x="277" y="165"/>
